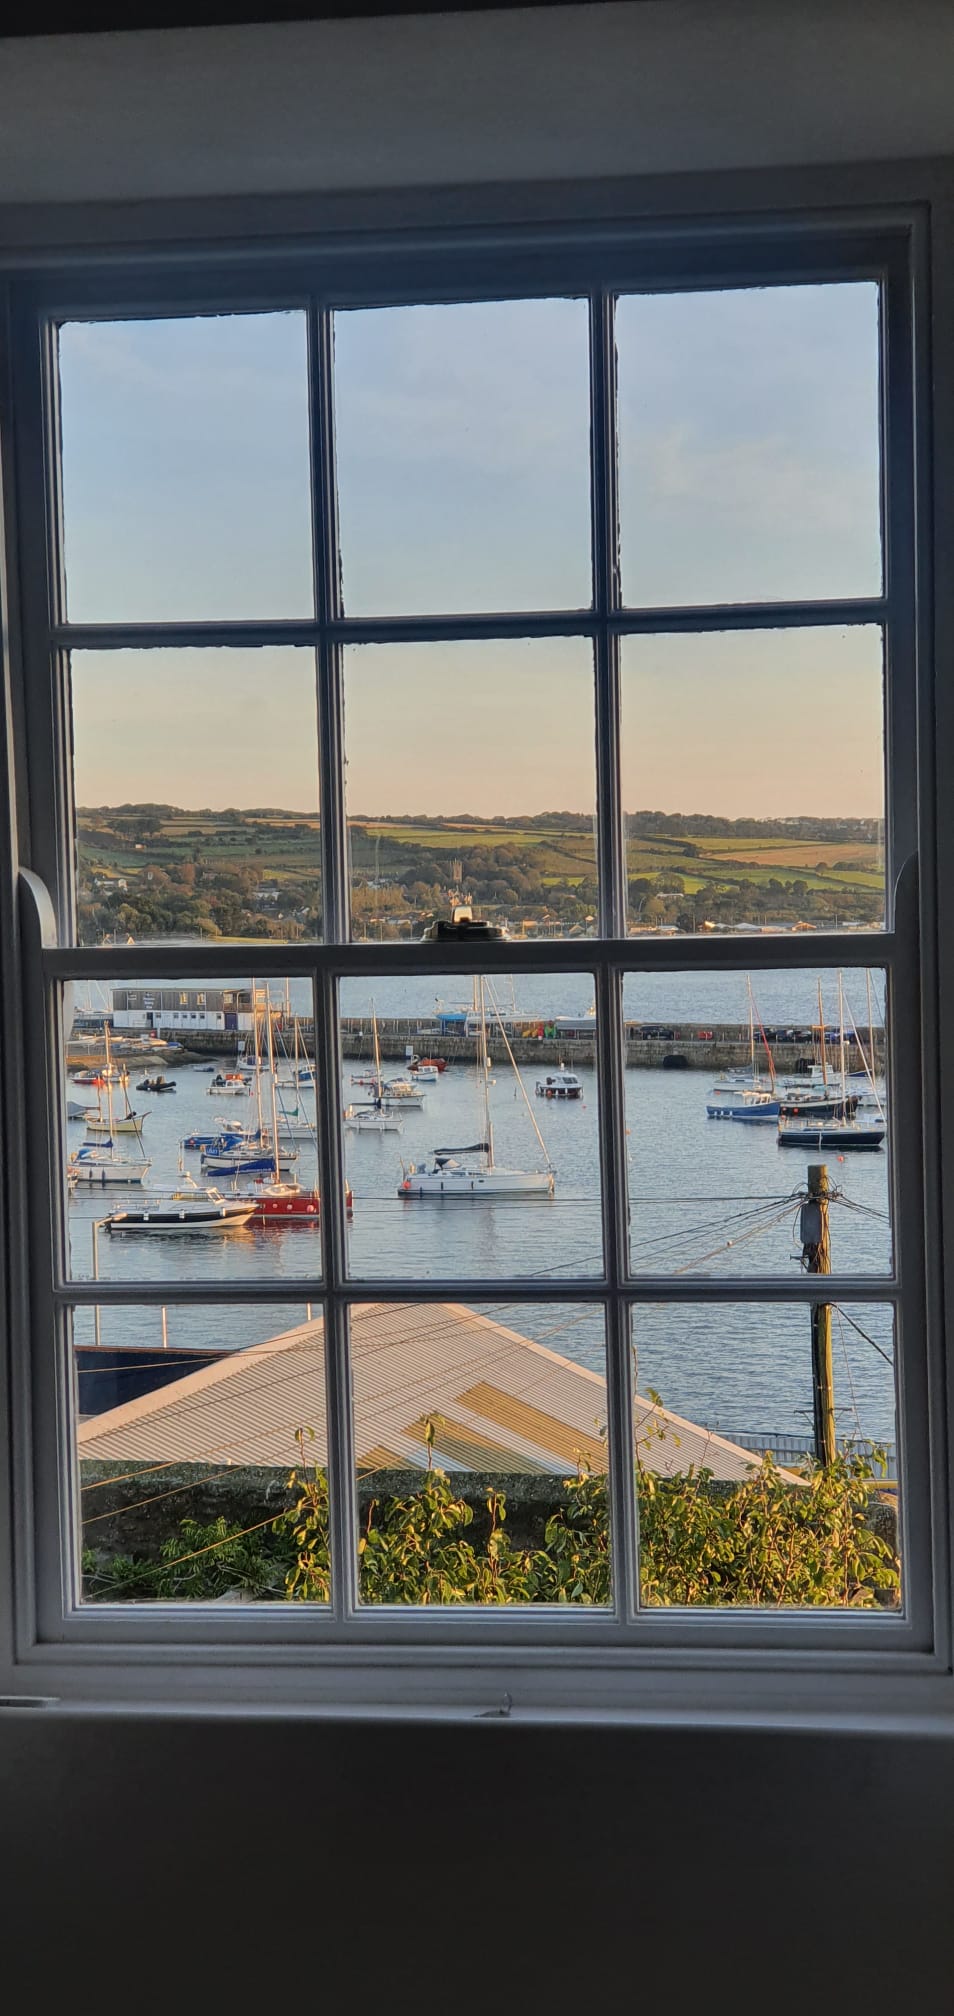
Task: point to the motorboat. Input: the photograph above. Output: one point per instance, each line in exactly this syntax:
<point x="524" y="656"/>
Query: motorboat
<point x="159" y="1084"/>
<point x="559" y="1084"/>
<point x="189" y="1210"/>
<point x="229" y="1085"/>
<point x="374" y="1118"/>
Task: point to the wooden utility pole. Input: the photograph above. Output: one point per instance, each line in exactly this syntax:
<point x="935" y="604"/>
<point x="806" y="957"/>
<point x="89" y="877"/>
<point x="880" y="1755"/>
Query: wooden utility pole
<point x="816" y="1251"/>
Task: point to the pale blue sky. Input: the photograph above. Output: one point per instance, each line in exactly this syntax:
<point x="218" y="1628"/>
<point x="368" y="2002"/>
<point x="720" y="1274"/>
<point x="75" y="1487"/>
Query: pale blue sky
<point x="749" y="470"/>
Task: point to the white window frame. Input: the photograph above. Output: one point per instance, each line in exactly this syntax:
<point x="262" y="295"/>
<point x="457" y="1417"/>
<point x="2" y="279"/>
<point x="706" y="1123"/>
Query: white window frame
<point x="626" y="1659"/>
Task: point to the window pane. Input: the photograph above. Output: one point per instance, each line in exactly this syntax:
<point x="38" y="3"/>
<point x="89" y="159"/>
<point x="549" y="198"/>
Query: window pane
<point x="191" y="1138"/>
<point x="481" y="1449"/>
<point x="467" y="1170"/>
<point x="720" y="1525"/>
<point x="749" y="444"/>
<point x="188" y="1424"/>
<point x="735" y="1088"/>
<point x="472" y="776"/>
<point x="196" y="788"/>
<point x="462" y="437"/>
<point x="753" y="779"/>
<point x="186" y="490"/>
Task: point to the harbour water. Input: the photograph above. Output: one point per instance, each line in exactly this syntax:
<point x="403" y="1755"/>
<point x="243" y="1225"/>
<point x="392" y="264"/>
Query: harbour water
<point x="705" y="1199"/>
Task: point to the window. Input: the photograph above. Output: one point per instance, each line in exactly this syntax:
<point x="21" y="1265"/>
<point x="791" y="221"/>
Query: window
<point x="587" y="599"/>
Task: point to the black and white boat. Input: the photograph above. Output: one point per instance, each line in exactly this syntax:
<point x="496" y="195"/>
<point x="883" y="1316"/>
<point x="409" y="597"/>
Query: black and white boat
<point x="837" y="1134"/>
<point x="187" y="1210"/>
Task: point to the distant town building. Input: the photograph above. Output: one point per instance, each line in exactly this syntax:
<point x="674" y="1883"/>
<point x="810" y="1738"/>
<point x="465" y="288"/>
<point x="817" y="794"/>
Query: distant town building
<point x="170" y="1010"/>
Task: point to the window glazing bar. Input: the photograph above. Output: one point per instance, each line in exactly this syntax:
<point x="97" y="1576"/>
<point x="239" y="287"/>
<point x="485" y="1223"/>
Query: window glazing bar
<point x="342" y="1467"/>
<point x="367" y="959"/>
<point x="249" y="634"/>
<point x="357" y="1293"/>
<point x="335" y="895"/>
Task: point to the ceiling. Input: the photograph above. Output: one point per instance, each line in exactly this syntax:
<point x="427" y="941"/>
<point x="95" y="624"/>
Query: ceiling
<point x="474" y="96"/>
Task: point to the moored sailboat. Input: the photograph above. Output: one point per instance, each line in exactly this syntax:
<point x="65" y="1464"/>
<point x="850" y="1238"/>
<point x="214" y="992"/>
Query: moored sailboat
<point x="449" y="1175"/>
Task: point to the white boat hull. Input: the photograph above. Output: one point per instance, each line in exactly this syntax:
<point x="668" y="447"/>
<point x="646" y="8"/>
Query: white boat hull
<point x="470" y="1183"/>
<point x="108" y="1172"/>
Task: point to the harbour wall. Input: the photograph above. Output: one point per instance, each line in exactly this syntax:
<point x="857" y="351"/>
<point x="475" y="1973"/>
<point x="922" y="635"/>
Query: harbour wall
<point x="684" y="1046"/>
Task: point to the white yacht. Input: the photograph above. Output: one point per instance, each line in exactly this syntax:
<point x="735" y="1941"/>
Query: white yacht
<point x="100" y="1164"/>
<point x="448" y="1176"/>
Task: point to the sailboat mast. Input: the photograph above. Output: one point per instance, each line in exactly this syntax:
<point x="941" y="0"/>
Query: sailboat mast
<point x="271" y="1080"/>
<point x="871" y="1048"/>
<point x="841" y="1037"/>
<point x="258" y="1075"/>
<point x="484" y="1062"/>
<point x="109" y="1086"/>
<point x="821" y="1038"/>
<point x="378" y="1086"/>
<point x="748" y="983"/>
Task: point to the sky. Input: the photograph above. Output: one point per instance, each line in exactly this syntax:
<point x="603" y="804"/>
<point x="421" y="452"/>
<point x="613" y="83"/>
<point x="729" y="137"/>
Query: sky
<point x="748" y="470"/>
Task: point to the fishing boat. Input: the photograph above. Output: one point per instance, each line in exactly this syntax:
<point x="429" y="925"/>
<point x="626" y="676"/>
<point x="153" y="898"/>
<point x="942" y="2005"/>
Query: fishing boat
<point x="229" y="1085"/>
<point x="560" y="1084"/>
<point x="287" y="1204"/>
<point x="189" y="1210"/>
<point x="424" y="1073"/>
<point x="448" y="1176"/>
<point x="741" y="1102"/>
<point x="400" y="1092"/>
<point x="159" y="1084"/>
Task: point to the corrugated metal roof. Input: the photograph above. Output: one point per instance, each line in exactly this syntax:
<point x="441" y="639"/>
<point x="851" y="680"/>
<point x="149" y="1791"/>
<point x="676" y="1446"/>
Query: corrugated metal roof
<point x="503" y="1402"/>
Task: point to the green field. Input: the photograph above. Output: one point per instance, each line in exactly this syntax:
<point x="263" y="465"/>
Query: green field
<point x="257" y="872"/>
